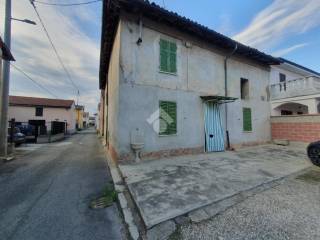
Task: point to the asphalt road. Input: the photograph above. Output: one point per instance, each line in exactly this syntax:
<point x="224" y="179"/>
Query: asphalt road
<point x="45" y="194"/>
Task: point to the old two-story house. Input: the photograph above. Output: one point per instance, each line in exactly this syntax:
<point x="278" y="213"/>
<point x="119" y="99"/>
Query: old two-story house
<point x="43" y="113"/>
<point x="177" y="87"/>
<point x="294" y="89"/>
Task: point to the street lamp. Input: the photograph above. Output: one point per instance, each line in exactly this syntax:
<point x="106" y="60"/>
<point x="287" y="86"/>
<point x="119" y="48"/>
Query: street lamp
<point x="25" y="21"/>
<point x="5" y="79"/>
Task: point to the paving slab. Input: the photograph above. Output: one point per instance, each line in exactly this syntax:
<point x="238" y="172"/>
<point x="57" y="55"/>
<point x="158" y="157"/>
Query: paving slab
<point x="166" y="188"/>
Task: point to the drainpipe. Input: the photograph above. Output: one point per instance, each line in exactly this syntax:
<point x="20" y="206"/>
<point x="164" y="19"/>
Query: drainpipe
<point x="139" y="41"/>
<point x="226" y="90"/>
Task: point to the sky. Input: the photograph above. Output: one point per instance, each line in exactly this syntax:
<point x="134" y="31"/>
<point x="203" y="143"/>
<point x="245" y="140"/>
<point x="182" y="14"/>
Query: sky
<point x="289" y="29"/>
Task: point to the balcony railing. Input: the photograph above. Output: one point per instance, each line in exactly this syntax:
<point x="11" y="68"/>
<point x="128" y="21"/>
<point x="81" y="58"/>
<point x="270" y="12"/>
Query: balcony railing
<point x="295" y="88"/>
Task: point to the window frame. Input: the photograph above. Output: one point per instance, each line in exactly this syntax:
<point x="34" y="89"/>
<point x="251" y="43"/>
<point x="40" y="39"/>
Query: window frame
<point x="283" y="80"/>
<point x="170" y="130"/>
<point x="244" y="83"/>
<point x="36" y="111"/>
<point x="170" y="50"/>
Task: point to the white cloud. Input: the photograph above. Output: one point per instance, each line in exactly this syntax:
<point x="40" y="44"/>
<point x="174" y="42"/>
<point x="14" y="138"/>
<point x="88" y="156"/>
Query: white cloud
<point x="280" y="20"/>
<point x="282" y="52"/>
<point x="35" y="56"/>
<point x="225" y="24"/>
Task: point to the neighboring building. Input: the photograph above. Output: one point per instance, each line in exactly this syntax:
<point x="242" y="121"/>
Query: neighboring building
<point x="163" y="78"/>
<point x="42" y="112"/>
<point x="92" y="120"/>
<point x="295" y="103"/>
<point x="79" y="111"/>
<point x="85" y="119"/>
<point x="294" y="90"/>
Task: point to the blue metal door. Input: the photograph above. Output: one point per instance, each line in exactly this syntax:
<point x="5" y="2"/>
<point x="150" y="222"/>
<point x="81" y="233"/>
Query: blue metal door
<point x="213" y="128"/>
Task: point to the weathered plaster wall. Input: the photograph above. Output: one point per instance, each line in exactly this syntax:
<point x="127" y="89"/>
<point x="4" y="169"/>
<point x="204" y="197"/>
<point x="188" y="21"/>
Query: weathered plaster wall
<point x="258" y="83"/>
<point x="200" y="72"/>
<point x="112" y="95"/>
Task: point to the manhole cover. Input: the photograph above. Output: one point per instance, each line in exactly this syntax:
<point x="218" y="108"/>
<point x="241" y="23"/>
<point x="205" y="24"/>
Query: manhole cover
<point x="106" y="199"/>
<point x="101" y="202"/>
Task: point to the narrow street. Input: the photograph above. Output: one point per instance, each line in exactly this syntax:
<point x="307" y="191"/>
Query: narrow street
<point x="46" y="193"/>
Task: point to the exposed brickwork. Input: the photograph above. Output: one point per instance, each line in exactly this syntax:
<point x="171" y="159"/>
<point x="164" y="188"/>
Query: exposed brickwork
<point x="296" y="131"/>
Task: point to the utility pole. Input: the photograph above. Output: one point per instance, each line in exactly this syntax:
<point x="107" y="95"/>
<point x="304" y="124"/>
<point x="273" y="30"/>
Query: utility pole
<point x="4" y="86"/>
<point x="5" y="80"/>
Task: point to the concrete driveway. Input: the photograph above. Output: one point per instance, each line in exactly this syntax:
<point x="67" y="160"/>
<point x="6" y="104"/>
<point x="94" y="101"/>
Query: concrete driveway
<point x="290" y="210"/>
<point x="167" y="188"/>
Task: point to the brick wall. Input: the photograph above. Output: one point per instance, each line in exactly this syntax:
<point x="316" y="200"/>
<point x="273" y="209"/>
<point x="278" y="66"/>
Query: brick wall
<point x="305" y="128"/>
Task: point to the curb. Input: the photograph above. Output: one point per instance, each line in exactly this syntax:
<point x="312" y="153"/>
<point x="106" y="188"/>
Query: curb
<point x="120" y="189"/>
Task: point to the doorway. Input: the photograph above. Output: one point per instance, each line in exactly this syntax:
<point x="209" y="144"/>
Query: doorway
<point x="213" y="128"/>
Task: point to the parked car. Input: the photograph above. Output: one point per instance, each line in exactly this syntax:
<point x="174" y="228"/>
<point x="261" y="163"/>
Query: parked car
<point x="18" y="137"/>
<point x="28" y="130"/>
<point x="314" y="153"/>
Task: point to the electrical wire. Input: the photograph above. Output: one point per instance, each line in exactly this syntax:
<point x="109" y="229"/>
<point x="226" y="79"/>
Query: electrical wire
<point x="67" y="4"/>
<point x="54" y="48"/>
<point x="34" y="81"/>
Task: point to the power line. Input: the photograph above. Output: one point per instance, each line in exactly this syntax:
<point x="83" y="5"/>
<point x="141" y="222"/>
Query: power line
<point x="34" y="81"/>
<point x="54" y="48"/>
<point x="67" y="4"/>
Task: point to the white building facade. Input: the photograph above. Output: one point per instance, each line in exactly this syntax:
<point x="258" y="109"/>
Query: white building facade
<point x="42" y="111"/>
<point x="294" y="90"/>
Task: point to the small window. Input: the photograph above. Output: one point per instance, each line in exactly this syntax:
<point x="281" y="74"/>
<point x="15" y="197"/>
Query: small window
<point x="168" y="56"/>
<point x="39" y="111"/>
<point x="168" y="118"/>
<point x="247" y="120"/>
<point x="282" y="80"/>
<point x="244" y="88"/>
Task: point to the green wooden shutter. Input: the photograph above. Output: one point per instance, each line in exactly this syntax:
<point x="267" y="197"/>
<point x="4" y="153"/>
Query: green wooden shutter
<point x="168" y="56"/>
<point x="162" y="121"/>
<point x="163" y="55"/>
<point x="247" y="120"/>
<point x="173" y="58"/>
<point x="168" y="118"/>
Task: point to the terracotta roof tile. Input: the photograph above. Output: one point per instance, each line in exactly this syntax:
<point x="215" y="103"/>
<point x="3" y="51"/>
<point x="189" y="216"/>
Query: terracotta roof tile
<point x="45" y="102"/>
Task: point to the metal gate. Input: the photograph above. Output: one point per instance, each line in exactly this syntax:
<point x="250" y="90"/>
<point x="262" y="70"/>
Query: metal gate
<point x="213" y="128"/>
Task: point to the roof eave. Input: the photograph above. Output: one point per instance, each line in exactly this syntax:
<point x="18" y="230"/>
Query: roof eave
<point x="111" y="15"/>
<point x="299" y="66"/>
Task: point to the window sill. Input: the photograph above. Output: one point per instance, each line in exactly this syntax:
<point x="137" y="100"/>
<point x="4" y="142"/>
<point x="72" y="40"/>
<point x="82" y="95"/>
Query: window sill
<point x="248" y="131"/>
<point x="169" y="73"/>
<point x="171" y="135"/>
